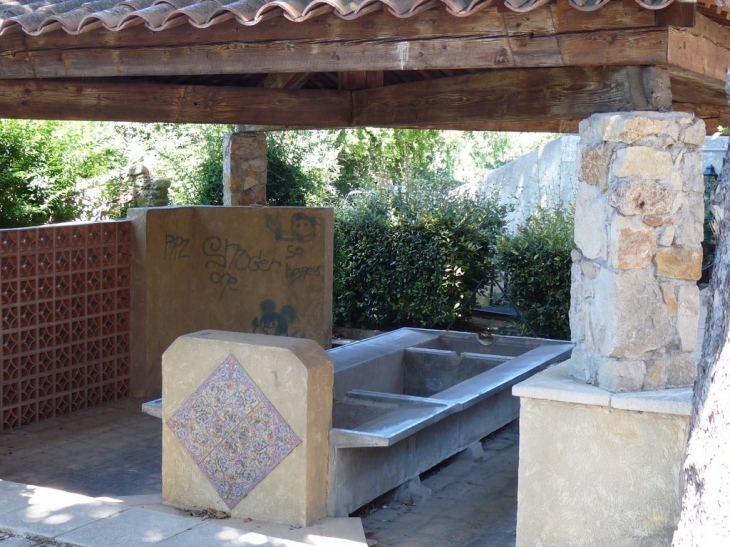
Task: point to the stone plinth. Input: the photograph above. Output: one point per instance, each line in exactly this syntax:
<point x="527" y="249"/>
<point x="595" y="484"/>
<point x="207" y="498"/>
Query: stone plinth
<point x="597" y="468"/>
<point x="244" y="169"/>
<point x="638" y="229"/>
<point x="246" y="420"/>
<point x="244" y="269"/>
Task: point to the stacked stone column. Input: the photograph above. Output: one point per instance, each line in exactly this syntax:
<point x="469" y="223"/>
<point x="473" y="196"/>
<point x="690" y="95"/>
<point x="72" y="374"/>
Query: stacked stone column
<point x="638" y="228"/>
<point x="244" y="169"/>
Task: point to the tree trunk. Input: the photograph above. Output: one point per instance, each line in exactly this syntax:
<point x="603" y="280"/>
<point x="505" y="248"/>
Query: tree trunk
<point x="705" y="517"/>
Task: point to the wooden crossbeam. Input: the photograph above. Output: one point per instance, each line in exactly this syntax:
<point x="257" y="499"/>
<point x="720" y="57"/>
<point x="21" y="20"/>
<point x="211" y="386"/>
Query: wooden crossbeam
<point x="698" y="54"/>
<point x="510" y="100"/>
<point x="149" y="102"/>
<point x="518" y="95"/>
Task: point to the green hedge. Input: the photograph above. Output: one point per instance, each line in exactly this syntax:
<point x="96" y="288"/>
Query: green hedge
<point x="410" y="256"/>
<point x="535" y="264"/>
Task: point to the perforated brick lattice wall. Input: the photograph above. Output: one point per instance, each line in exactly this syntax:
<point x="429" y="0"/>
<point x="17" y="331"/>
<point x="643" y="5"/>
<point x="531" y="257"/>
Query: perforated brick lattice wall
<point x="64" y="304"/>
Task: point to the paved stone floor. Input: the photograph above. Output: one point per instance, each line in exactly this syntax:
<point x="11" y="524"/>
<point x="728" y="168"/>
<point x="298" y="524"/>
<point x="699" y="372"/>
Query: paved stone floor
<point x="115" y="450"/>
<point x="110" y="450"/>
<point x="473" y="502"/>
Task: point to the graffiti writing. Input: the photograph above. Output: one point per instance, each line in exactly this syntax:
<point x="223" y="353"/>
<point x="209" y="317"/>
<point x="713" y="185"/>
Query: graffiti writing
<point x="273" y="322"/>
<point x="175" y="247"/>
<point x="227" y="259"/>
<point x="292" y="251"/>
<point x="302" y="227"/>
<point x="301" y="273"/>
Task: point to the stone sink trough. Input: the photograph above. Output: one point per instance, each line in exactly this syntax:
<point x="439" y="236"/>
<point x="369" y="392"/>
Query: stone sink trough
<point x="405" y="401"/>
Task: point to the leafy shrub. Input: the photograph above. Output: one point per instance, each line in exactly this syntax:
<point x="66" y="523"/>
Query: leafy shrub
<point x="535" y="264"/>
<point x="39" y="165"/>
<point x="410" y="255"/>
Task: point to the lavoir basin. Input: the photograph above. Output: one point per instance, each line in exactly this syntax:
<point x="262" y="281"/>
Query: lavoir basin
<point x="407" y="400"/>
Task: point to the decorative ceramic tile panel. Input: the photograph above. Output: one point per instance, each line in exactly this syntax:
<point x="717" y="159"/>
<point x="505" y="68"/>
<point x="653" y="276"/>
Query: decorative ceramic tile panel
<point x="232" y="431"/>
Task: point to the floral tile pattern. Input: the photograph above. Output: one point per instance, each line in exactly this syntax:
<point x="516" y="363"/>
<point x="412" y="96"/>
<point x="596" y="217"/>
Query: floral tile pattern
<point x="232" y="431"/>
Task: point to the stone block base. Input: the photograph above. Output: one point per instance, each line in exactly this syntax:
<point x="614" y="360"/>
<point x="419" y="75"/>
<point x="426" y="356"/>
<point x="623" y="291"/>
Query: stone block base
<point x="597" y="468"/>
<point x="246" y="419"/>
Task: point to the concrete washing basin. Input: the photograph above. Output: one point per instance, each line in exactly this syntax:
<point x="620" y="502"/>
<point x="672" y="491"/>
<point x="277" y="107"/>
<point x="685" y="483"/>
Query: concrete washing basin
<point x="406" y="400"/>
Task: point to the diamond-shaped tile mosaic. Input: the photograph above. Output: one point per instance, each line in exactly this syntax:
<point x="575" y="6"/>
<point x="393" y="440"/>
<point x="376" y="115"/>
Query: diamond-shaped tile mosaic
<point x="232" y="431"/>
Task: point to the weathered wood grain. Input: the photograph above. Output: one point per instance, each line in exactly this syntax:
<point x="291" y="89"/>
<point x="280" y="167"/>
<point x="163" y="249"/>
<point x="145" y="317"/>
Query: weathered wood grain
<point x="698" y="54"/>
<point x="146" y="102"/>
<point x="612" y="16"/>
<point x="508" y="95"/>
<point x="681" y="13"/>
<point x="247" y="57"/>
<point x="709" y="29"/>
<point x="621" y="47"/>
<point x="615" y="47"/>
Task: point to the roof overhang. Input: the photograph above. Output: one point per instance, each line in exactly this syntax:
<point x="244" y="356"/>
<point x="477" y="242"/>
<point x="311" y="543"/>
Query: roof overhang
<point x="542" y="69"/>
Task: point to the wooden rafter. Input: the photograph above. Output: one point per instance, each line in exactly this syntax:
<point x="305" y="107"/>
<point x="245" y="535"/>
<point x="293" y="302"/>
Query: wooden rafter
<point x="542" y="70"/>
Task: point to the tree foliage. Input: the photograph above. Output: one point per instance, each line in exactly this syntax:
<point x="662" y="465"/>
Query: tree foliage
<point x="40" y="163"/>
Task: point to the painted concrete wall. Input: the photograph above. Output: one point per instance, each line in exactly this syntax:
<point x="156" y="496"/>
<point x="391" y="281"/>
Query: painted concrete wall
<point x="598" y="469"/>
<point x="265" y="270"/>
<point x="264" y="458"/>
<point x="547" y="177"/>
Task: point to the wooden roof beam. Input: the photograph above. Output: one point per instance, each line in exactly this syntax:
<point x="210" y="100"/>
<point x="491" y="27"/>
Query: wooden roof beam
<point x="525" y="96"/>
<point x="702" y="50"/>
<point x="361" y="79"/>
<point x="613" y="47"/>
<point x="149" y="102"/>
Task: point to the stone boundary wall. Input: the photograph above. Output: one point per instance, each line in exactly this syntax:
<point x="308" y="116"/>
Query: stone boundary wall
<point x="547" y="177"/>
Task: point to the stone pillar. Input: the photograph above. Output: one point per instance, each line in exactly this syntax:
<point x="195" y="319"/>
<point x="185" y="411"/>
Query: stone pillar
<point x="244" y="169"/>
<point x="246" y="421"/>
<point x="638" y="228"/>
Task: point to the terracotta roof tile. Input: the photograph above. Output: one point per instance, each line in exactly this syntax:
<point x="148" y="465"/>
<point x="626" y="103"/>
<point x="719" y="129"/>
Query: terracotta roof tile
<point x="78" y="16"/>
